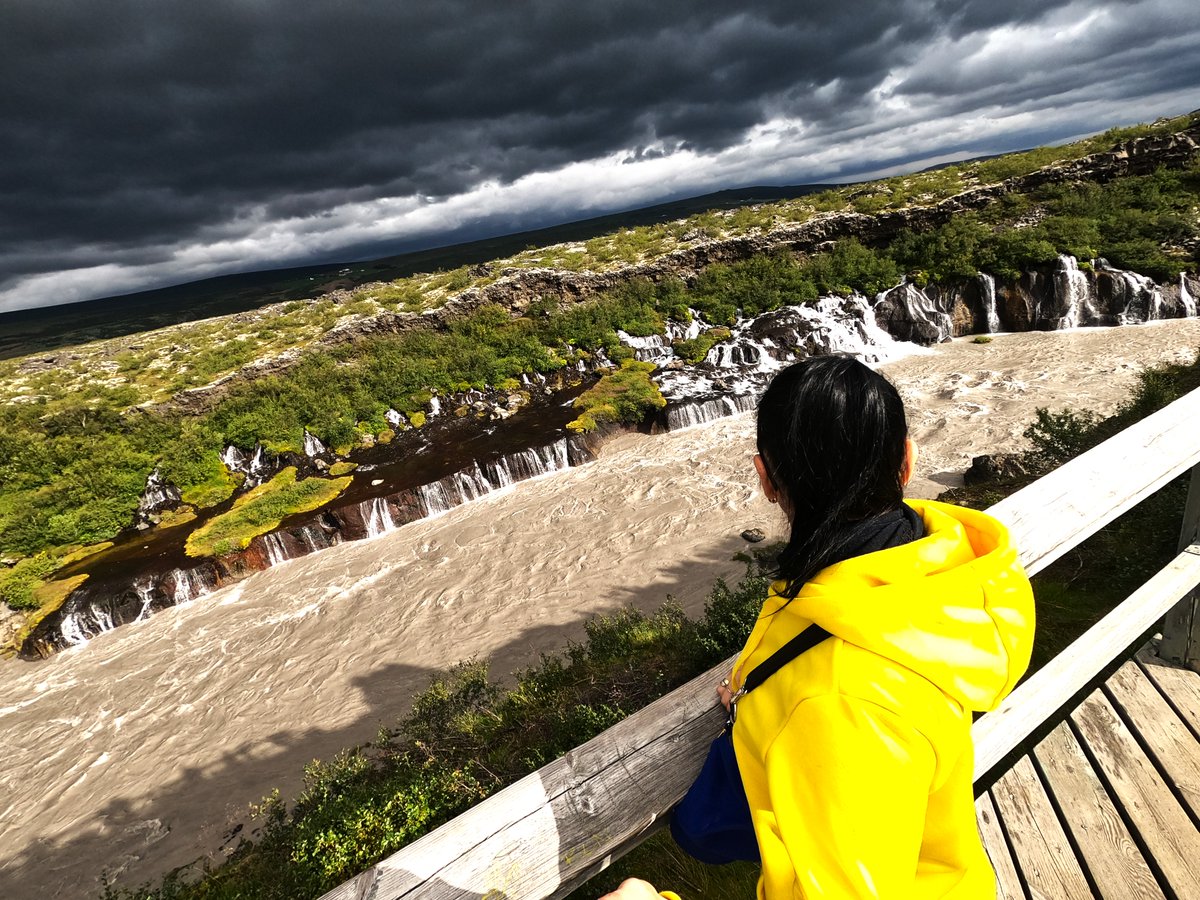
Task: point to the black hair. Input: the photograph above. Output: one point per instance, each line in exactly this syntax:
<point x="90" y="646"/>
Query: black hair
<point x="831" y="432"/>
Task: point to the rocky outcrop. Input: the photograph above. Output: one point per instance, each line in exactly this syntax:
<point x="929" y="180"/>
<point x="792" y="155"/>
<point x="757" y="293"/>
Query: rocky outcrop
<point x="994" y="467"/>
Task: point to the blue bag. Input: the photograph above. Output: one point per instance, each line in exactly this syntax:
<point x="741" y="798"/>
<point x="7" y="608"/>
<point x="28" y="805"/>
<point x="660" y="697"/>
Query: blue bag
<point x="712" y="821"/>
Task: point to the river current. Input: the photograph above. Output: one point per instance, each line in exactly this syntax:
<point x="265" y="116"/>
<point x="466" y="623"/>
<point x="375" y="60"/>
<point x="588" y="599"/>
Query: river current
<point x="143" y="749"/>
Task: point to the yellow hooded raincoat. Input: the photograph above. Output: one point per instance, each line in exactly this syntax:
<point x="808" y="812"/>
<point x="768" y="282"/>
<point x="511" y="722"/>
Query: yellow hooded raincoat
<point x="857" y="756"/>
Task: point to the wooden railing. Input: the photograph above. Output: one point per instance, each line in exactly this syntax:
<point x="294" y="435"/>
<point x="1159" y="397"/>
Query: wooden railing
<point x="553" y="829"/>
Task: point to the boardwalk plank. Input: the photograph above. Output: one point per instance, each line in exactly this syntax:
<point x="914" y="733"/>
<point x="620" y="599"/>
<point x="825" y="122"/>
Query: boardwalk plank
<point x="1171" y="743"/>
<point x="1181" y="686"/>
<point x="1108" y="850"/>
<point x="1040" y="845"/>
<point x="1053" y="686"/>
<point x="1162" y="825"/>
<point x="1008" y="882"/>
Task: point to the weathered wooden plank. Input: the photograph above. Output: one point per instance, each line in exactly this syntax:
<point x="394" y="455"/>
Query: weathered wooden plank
<point x="1043" y="853"/>
<point x="1096" y="487"/>
<point x="1171" y="744"/>
<point x="1050" y="688"/>
<point x="1008" y="882"/>
<point x="1181" y="630"/>
<point x="1162" y="825"/>
<point x="1108" y="850"/>
<point x="1180" y="686"/>
<point x="535" y="837"/>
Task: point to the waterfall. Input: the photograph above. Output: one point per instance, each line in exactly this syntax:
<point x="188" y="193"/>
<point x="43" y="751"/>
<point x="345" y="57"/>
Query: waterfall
<point x="394" y="418"/>
<point x="735" y="355"/>
<point x="81" y="625"/>
<point x="1075" y="304"/>
<point x="186" y="585"/>
<point x="435" y="407"/>
<point x="233" y="458"/>
<point x="144" y="588"/>
<point x="434" y="500"/>
<point x="987" y="294"/>
<point x="1185" y="297"/>
<point x="308" y="536"/>
<point x="253" y="467"/>
<point x="914" y="315"/>
<point x="378" y="518"/>
<point x="685" y="415"/>
<point x="276" y="551"/>
<point x="655" y="348"/>
<point x="312" y="445"/>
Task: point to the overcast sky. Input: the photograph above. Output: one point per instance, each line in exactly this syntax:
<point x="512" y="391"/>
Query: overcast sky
<point x="152" y="142"/>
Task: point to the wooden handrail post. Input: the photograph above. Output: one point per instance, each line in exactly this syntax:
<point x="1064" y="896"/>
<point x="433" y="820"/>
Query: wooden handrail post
<point x="1181" y="628"/>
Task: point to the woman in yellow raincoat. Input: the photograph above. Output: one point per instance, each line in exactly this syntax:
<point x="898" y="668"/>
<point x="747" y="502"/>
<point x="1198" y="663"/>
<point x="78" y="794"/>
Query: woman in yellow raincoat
<point x="856" y="756"/>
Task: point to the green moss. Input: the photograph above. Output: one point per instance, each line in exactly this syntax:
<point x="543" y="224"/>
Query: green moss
<point x="261" y="510"/>
<point x="626" y="396"/>
<point x="342" y="468"/>
<point x="416" y="419"/>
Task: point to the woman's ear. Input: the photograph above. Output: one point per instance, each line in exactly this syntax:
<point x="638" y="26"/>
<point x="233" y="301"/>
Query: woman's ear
<point x="764" y="478"/>
<point x="910" y="461"/>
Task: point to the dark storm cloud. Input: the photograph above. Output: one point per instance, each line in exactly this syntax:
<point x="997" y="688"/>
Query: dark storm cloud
<point x="135" y="126"/>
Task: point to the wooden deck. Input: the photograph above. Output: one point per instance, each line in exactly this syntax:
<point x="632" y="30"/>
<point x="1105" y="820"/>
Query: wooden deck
<point x="1107" y="805"/>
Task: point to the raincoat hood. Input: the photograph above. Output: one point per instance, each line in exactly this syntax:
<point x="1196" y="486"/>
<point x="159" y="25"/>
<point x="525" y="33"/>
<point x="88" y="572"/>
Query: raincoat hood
<point x="953" y="606"/>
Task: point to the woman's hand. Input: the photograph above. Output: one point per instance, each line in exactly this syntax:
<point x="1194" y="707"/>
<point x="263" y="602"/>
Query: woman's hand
<point x="633" y="889"/>
<point x="725" y="694"/>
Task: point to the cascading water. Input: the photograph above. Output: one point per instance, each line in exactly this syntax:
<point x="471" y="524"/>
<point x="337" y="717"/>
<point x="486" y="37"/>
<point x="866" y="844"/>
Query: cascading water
<point x="312" y="445"/>
<point x="379" y="518"/>
<point x="144" y="588"/>
<point x="253" y="466"/>
<point x="686" y="415"/>
<point x="913" y="314"/>
<point x="186" y="586"/>
<point x="276" y="551"/>
<point x="735" y="371"/>
<point x="1074" y="300"/>
<point x="987" y="296"/>
<point x="655" y="348"/>
<point x="1186" y="300"/>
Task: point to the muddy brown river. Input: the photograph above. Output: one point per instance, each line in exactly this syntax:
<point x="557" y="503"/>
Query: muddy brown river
<point x="141" y="750"/>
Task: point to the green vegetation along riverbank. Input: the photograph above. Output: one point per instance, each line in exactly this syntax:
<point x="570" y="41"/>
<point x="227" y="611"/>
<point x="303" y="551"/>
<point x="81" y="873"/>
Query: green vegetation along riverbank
<point x="467" y="736"/>
<point x="80" y="434"/>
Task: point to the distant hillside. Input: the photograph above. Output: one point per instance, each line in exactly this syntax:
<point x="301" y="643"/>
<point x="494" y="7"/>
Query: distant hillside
<point x="49" y="328"/>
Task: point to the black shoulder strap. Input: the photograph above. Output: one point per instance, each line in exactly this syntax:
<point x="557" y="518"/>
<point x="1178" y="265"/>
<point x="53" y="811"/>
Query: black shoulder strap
<point x="805" y="640"/>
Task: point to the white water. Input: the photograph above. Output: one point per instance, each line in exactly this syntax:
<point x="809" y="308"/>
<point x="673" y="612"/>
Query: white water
<point x="987" y="288"/>
<point x="379" y="518"/>
<point x="1185" y="296"/>
<point x="1074" y="294"/>
<point x="143" y="748"/>
<point x="312" y="445"/>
